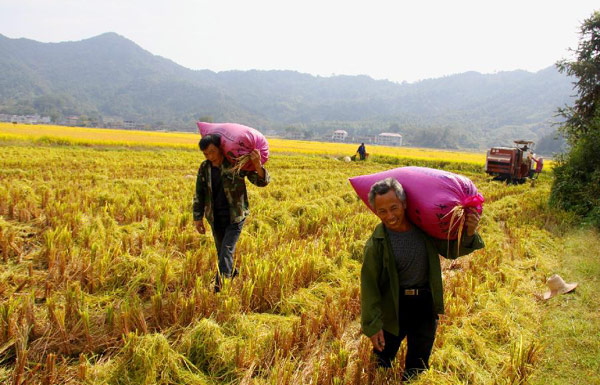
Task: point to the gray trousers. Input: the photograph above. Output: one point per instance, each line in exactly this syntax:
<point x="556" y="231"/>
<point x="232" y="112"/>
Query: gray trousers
<point x="226" y="235"/>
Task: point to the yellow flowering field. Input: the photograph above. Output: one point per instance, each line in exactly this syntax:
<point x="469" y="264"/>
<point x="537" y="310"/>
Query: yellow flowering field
<point x="84" y="135"/>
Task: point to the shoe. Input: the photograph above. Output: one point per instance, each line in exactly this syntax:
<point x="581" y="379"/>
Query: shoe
<point x="218" y="285"/>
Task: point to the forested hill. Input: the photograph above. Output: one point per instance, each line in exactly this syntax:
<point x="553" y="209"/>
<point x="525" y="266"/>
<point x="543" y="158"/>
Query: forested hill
<point x="110" y="76"/>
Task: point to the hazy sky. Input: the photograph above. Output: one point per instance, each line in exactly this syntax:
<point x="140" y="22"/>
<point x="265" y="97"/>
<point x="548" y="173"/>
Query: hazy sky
<point x="394" y="39"/>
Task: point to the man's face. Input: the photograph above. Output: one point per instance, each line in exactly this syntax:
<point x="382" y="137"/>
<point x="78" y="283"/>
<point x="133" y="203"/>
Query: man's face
<point x="390" y="210"/>
<point x="214" y="155"/>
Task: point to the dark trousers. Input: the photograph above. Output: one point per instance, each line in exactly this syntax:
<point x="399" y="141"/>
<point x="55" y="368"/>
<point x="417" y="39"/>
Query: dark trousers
<point x="226" y="235"/>
<point x="418" y="323"/>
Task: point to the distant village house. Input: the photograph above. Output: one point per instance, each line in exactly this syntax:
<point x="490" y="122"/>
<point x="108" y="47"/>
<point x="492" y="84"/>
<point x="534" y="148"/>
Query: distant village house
<point x="115" y="122"/>
<point x="71" y="121"/>
<point x="128" y="124"/>
<point x="339" y="136"/>
<point x="25" y="119"/>
<point x="389" y="139"/>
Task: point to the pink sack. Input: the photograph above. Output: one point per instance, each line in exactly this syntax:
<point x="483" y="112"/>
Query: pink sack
<point x="539" y="164"/>
<point x="430" y="196"/>
<point x="237" y="140"/>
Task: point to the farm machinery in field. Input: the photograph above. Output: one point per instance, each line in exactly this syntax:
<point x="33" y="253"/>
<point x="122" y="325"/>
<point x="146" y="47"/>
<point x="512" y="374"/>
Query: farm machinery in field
<point x="511" y="164"/>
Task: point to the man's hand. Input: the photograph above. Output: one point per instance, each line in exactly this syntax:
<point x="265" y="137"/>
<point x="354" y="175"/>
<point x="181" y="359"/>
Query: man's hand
<point x="255" y="159"/>
<point x="378" y="340"/>
<point x="472" y="221"/>
<point x="200" y="226"/>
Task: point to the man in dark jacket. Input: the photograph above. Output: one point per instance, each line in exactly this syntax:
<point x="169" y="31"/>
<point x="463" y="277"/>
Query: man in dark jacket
<point x="362" y="151"/>
<point x="222" y="198"/>
<point x="401" y="279"/>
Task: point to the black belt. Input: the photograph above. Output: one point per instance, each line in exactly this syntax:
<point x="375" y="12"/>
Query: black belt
<point x="415" y="291"/>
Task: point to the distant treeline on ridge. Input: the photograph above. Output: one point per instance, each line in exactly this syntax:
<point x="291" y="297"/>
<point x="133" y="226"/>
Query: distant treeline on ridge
<point x="109" y="76"/>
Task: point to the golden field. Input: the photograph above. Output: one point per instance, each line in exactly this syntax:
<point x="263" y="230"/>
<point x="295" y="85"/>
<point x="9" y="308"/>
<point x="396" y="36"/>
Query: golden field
<point x="101" y="136"/>
<point x="104" y="280"/>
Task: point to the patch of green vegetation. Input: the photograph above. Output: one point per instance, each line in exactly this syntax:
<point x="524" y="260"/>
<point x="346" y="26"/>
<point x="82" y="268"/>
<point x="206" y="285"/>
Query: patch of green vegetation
<point x="570" y="323"/>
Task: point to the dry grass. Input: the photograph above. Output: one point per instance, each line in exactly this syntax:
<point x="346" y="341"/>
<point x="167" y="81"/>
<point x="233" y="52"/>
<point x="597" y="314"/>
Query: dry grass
<point x="104" y="279"/>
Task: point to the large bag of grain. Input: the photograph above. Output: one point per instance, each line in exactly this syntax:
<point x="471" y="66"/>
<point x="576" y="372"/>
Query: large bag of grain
<point x="237" y="141"/>
<point x="436" y="200"/>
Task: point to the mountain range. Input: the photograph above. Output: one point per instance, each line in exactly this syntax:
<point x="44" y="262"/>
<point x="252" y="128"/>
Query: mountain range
<point x="109" y="76"/>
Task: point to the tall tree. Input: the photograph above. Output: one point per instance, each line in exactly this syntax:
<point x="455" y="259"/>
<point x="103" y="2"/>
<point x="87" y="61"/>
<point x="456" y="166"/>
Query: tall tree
<point x="577" y="174"/>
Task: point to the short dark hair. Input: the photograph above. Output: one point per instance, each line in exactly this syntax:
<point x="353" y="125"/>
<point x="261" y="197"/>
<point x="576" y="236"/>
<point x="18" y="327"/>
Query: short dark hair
<point x="209" y="139"/>
<point x="383" y="186"/>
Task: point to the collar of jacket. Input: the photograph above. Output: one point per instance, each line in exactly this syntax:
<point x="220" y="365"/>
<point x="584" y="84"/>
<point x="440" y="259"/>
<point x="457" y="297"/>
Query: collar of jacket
<point x="224" y="167"/>
<point x="379" y="231"/>
<point x="225" y="164"/>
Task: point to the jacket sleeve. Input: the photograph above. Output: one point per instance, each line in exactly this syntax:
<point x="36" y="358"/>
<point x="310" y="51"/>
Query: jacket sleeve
<point x="370" y="294"/>
<point x="199" y="197"/>
<point x="451" y="250"/>
<point x="257" y="180"/>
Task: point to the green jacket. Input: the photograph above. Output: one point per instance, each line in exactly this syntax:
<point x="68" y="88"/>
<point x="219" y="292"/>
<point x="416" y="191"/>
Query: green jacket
<point x="379" y="285"/>
<point x="234" y="187"/>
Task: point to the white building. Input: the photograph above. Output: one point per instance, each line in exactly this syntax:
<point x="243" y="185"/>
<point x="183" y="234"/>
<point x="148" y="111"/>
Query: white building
<point x="26" y="119"/>
<point x="112" y="122"/>
<point x="389" y="139"/>
<point x="132" y="125"/>
<point x="129" y="125"/>
<point x="339" y="136"/>
<point x="71" y="121"/>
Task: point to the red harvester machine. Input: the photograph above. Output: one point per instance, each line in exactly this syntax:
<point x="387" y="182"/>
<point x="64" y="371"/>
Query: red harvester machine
<point x="510" y="164"/>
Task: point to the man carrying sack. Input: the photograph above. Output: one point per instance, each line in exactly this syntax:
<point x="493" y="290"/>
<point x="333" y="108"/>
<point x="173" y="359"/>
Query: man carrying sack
<point x="222" y="198"/>
<point x="401" y="279"/>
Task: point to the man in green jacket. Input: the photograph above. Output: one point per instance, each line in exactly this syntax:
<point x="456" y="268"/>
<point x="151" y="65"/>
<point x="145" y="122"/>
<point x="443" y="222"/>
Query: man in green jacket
<point x="401" y="279"/>
<point x="222" y="198"/>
